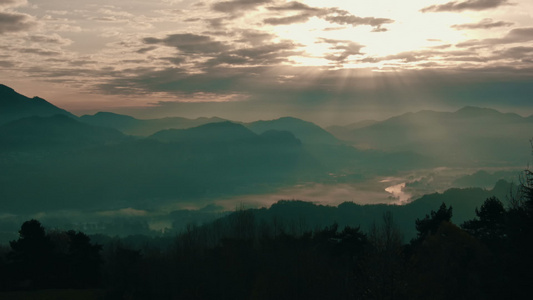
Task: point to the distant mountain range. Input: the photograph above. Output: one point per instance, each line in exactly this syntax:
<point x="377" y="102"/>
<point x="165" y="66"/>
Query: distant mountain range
<point x="471" y="136"/>
<point x="132" y="126"/>
<point x="51" y="159"/>
<point x="58" y="130"/>
<point x="307" y="132"/>
<point x="212" y="132"/>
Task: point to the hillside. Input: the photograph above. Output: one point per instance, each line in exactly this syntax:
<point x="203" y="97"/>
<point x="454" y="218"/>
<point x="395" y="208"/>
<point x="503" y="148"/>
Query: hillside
<point x="14" y="106"/>
<point x="133" y="126"/>
<point x="307" y="132"/>
<point x="469" y="136"/>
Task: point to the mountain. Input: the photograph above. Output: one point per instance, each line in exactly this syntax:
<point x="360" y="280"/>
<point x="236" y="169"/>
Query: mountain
<point x="31" y="133"/>
<point x="208" y="133"/>
<point x="471" y="135"/>
<point x="14" y="106"/>
<point x="307" y="132"/>
<point x="132" y="126"/>
<point x="304" y="216"/>
<point x="49" y="165"/>
<point x="343" y="132"/>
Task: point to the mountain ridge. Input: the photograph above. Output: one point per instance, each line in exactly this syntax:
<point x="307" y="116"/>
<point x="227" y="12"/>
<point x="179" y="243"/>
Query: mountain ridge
<point x="14" y="106"/>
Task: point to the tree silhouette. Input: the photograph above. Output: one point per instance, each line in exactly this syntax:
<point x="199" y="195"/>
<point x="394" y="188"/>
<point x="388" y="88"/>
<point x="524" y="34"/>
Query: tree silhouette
<point x="489" y="226"/>
<point x="84" y="260"/>
<point x="32" y="255"/>
<point x="431" y="223"/>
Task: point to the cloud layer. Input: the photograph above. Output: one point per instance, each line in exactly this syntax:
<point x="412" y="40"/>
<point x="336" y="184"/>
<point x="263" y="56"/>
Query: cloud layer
<point x="458" y="6"/>
<point x="273" y="55"/>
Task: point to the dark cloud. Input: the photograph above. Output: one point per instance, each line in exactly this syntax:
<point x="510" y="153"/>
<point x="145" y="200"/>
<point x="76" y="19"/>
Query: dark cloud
<point x="13" y="22"/>
<point x="427" y="54"/>
<point x="265" y="54"/>
<point x="517" y="52"/>
<point x="332" y="15"/>
<point x="146" y="49"/>
<point x="465" y="5"/>
<point x="11" y="2"/>
<point x="288" y="20"/>
<point x="342" y="17"/>
<point x="78" y="63"/>
<point x="189" y="43"/>
<point x="238" y="5"/>
<point x="174" y="60"/>
<point x="294" y="6"/>
<point x="39" y="52"/>
<point x="216" y="22"/>
<point x="105" y="19"/>
<point x="255" y="37"/>
<point x="178" y="81"/>
<point x="48" y="39"/>
<point x="517" y="35"/>
<point x="6" y="64"/>
<point x="483" y="24"/>
<point x="347" y="49"/>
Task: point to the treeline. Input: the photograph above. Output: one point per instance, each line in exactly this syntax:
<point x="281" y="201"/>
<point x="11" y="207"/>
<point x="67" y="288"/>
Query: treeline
<point x="241" y="257"/>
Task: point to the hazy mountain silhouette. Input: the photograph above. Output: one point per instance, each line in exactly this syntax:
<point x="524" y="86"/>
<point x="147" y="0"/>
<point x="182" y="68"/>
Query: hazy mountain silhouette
<point x="307" y="132"/>
<point x="209" y="161"/>
<point x="344" y="132"/>
<point x="132" y="126"/>
<point x="463" y="201"/>
<point x="208" y="133"/>
<point x="34" y="132"/>
<point x="485" y="179"/>
<point x="14" y="106"/>
<point x="471" y="135"/>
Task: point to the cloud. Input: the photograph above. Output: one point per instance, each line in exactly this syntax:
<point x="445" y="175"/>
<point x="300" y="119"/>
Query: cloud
<point x="49" y="39"/>
<point x="189" y="43"/>
<point x="332" y="15"/>
<point x="39" y="52"/>
<point x="517" y="52"/>
<point x="6" y="64"/>
<point x="175" y="60"/>
<point x="238" y="5"/>
<point x="457" y="6"/>
<point x="294" y="6"/>
<point x="259" y="54"/>
<point x="517" y="35"/>
<point x="288" y="20"/>
<point x="146" y="49"/>
<point x="255" y="37"/>
<point x="347" y="49"/>
<point x="13" y="22"/>
<point x="12" y="3"/>
<point x="342" y="17"/>
<point x="483" y="24"/>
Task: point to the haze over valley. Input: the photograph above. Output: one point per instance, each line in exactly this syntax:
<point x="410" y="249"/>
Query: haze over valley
<point x="100" y="168"/>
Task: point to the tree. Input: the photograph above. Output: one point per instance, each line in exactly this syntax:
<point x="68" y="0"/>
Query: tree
<point x="431" y="223"/>
<point x="448" y="264"/>
<point x="382" y="270"/>
<point x="32" y="255"/>
<point x="84" y="260"/>
<point x="489" y="225"/>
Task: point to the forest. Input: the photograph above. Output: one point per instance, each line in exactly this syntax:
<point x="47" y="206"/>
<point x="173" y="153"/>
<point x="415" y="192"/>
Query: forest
<point x="238" y="257"/>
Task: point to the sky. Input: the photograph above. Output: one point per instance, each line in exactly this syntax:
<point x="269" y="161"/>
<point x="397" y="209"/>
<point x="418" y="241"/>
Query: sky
<point x="331" y="62"/>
